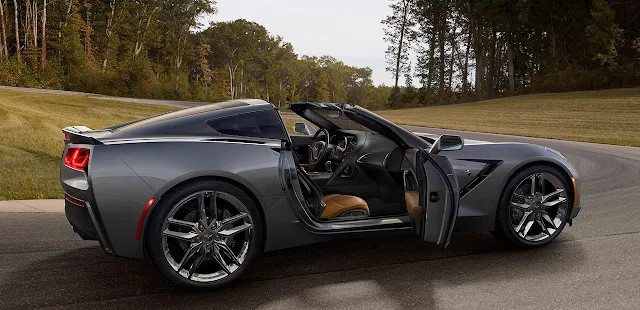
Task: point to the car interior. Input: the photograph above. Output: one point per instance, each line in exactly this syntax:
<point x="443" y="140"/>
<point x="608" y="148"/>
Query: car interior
<point x="346" y="170"/>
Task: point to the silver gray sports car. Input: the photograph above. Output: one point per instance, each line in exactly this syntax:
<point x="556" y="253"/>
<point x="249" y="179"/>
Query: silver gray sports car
<point x="204" y="191"/>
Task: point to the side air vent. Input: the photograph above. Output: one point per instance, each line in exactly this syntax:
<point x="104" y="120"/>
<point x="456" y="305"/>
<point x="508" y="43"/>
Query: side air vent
<point x="363" y="159"/>
<point x="490" y="166"/>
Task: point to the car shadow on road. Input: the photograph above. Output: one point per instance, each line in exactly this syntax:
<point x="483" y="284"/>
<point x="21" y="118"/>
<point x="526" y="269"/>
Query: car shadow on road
<point x="395" y="272"/>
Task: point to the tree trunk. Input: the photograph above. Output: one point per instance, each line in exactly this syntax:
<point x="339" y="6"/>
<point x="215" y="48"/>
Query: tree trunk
<point x="492" y="62"/>
<point x="465" y="68"/>
<point x="43" y="46"/>
<point x="34" y="18"/>
<point x="108" y="31"/>
<point x="280" y="94"/>
<point x="452" y="61"/>
<point x="432" y="49"/>
<point x="142" y="33"/>
<point x="5" y="49"/>
<point x="510" y="65"/>
<point x="242" y="79"/>
<point x="232" y="72"/>
<point x="266" y="86"/>
<point x="15" y="8"/>
<point x="441" y="64"/>
<point x="401" y="42"/>
<point x="479" y="62"/>
<point x="479" y="75"/>
<point x="27" y="24"/>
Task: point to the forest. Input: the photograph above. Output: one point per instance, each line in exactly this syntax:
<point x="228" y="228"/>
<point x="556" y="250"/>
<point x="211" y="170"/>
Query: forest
<point x="445" y="51"/>
<point x="475" y="50"/>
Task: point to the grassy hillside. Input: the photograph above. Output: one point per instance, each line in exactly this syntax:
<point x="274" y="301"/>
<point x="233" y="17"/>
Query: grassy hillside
<point x="607" y="116"/>
<point x="31" y="140"/>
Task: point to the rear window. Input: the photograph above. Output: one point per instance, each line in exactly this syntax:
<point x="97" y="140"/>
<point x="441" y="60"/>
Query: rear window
<point x="177" y="114"/>
<point x="263" y="124"/>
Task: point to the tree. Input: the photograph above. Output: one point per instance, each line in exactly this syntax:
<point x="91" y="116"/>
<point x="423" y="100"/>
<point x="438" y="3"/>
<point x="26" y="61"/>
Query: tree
<point x="43" y="47"/>
<point x="15" y="10"/>
<point x="4" y="52"/>
<point x="207" y="73"/>
<point x="605" y="36"/>
<point x="397" y="34"/>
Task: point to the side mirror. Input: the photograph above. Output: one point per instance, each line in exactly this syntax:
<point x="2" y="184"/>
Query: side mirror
<point x="304" y="129"/>
<point x="446" y="143"/>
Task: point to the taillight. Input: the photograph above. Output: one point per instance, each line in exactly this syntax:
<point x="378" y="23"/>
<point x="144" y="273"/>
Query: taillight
<point x="66" y="137"/>
<point x="76" y="158"/>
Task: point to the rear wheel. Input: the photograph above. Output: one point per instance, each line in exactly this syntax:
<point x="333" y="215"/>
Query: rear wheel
<point x="205" y="235"/>
<point x="534" y="207"/>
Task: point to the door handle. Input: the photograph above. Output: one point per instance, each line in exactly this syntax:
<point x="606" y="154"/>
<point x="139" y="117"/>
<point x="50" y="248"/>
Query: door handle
<point x="434" y="197"/>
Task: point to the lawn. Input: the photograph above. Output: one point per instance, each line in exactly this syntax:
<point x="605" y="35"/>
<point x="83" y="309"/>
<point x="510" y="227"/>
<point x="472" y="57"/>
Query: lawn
<point x="607" y="116"/>
<point x="31" y="141"/>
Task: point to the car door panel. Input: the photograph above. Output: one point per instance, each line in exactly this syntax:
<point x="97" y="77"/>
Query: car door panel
<point x="431" y="194"/>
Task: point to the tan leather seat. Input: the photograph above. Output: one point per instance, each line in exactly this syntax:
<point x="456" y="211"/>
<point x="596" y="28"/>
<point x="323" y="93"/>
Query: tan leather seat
<point x="413" y="204"/>
<point x="339" y="204"/>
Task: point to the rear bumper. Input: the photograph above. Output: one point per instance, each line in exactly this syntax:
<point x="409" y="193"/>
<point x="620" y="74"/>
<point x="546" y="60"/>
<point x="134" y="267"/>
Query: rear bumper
<point x="85" y="222"/>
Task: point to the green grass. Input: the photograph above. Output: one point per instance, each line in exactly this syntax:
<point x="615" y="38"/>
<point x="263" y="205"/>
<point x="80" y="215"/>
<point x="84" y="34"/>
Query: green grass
<point x="607" y="116"/>
<point x="31" y="140"/>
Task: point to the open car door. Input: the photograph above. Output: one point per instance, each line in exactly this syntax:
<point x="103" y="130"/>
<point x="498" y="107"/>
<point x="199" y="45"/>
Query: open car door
<point x="431" y="195"/>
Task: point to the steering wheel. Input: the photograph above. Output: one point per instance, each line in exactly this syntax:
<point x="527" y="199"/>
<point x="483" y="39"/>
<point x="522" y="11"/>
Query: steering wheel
<point x="319" y="148"/>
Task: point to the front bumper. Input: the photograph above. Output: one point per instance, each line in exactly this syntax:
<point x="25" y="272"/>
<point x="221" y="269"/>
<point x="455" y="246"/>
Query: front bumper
<point x="574" y="212"/>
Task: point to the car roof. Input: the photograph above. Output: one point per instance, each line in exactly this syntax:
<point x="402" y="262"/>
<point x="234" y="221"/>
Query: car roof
<point x="190" y="121"/>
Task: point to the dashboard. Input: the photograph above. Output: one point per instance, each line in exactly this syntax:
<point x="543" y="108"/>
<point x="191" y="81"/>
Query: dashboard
<point x="344" y="145"/>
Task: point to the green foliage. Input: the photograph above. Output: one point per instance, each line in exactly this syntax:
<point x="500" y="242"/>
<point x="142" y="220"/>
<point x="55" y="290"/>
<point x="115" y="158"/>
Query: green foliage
<point x="605" y="36"/>
<point x="14" y="73"/>
<point x="474" y="50"/>
<point x="149" y="49"/>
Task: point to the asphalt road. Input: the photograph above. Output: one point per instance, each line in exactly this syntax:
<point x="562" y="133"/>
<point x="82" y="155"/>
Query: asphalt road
<point x="594" y="264"/>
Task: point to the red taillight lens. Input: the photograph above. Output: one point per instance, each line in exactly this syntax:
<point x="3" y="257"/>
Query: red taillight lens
<point x="76" y="158"/>
<point x="66" y="137"/>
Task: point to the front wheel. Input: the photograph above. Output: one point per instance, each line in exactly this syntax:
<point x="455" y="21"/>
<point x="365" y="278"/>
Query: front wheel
<point x="534" y="207"/>
<point x="205" y="235"/>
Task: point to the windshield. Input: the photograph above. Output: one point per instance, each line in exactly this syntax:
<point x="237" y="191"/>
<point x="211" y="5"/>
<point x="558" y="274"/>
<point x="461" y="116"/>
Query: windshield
<point x="339" y="119"/>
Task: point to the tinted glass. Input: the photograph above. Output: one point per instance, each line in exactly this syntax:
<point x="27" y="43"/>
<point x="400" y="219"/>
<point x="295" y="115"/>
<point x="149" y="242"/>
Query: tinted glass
<point x="341" y="120"/>
<point x="177" y="114"/>
<point x="264" y="124"/>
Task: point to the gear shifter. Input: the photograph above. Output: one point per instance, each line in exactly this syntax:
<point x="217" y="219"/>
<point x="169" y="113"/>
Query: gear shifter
<point x="327" y="165"/>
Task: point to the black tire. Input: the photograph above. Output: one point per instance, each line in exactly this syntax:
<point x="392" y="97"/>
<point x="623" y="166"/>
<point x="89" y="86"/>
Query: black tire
<point x="153" y="240"/>
<point x="504" y="230"/>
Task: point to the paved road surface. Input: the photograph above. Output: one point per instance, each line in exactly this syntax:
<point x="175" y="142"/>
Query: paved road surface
<point x="594" y="264"/>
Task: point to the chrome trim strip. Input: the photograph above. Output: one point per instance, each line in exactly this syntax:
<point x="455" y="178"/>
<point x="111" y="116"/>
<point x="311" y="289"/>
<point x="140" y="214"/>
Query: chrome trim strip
<point x="204" y="140"/>
<point x="363" y="159"/>
<point x="94" y="220"/>
<point x="364" y="223"/>
<point x="386" y="157"/>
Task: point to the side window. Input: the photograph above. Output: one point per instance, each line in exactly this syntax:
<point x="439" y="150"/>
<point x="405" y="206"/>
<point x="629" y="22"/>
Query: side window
<point x="264" y="124"/>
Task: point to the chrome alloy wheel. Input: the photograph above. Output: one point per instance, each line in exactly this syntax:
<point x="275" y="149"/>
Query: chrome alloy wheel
<point x="206" y="236"/>
<point x="538" y="207"/>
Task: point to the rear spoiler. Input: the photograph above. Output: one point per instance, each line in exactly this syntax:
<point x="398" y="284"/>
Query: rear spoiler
<point x="74" y="134"/>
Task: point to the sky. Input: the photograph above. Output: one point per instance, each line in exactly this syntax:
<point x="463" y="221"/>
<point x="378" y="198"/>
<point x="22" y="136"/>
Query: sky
<point x="349" y="30"/>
